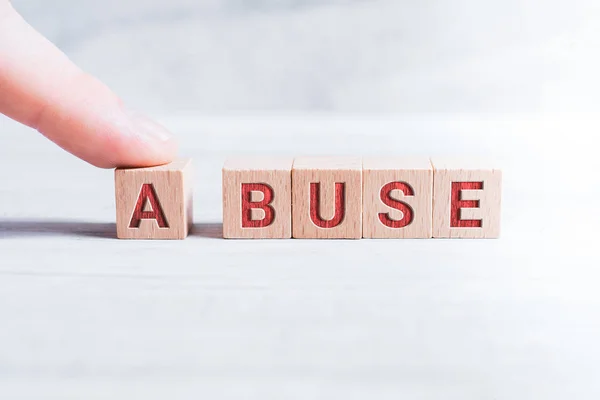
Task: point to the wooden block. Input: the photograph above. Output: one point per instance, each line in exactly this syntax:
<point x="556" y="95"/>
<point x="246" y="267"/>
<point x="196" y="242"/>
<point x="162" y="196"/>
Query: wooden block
<point x="257" y="198"/>
<point x="397" y="197"/>
<point x="327" y="198"/>
<point x="156" y="202"/>
<point x="466" y="199"/>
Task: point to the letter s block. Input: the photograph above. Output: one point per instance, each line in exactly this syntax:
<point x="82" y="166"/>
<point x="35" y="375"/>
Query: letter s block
<point x="156" y="202"/>
<point x="327" y="198"/>
<point x="257" y="198"/>
<point x="466" y="199"/>
<point x="398" y="196"/>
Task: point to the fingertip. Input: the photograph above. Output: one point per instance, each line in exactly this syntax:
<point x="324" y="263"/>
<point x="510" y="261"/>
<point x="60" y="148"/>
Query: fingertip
<point x="138" y="158"/>
<point x="42" y="88"/>
<point x="135" y="142"/>
<point x="140" y="153"/>
<point x="92" y="123"/>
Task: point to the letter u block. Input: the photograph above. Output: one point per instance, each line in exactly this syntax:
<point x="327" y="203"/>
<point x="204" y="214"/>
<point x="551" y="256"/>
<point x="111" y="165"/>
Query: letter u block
<point x="398" y="194"/>
<point x="327" y="198"/>
<point x="257" y="198"/>
<point x="466" y="199"/>
<point x="156" y="202"/>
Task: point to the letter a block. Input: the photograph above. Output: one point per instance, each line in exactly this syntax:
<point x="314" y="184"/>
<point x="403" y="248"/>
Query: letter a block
<point x="257" y="200"/>
<point x="398" y="195"/>
<point x="466" y="199"/>
<point x="327" y="198"/>
<point x="154" y="203"/>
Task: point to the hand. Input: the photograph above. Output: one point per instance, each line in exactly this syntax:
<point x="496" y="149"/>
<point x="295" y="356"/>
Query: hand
<point x="40" y="87"/>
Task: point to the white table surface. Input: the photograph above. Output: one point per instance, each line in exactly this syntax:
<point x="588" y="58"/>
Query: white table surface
<point x="85" y="315"/>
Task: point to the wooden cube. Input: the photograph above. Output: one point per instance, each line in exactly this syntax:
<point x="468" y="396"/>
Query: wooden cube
<point x="257" y="198"/>
<point x="466" y="199"/>
<point x="397" y="197"/>
<point x="156" y="202"/>
<point x="327" y="198"/>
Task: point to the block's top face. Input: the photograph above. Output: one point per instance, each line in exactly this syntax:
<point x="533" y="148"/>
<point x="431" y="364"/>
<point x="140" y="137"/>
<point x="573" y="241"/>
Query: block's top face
<point x="397" y="163"/>
<point x="177" y="165"/>
<point x="328" y="163"/>
<point x="465" y="163"/>
<point x="258" y="164"/>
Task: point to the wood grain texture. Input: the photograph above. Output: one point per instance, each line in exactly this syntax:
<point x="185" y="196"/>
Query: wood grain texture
<point x="90" y="317"/>
<point x="327" y="198"/>
<point x="257" y="199"/>
<point x="139" y="191"/>
<point x="406" y="185"/>
<point x="466" y="198"/>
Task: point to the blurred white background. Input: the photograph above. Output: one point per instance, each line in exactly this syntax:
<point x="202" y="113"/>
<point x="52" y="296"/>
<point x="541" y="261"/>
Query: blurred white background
<point x="86" y="316"/>
<point x="393" y="56"/>
<point x="516" y="79"/>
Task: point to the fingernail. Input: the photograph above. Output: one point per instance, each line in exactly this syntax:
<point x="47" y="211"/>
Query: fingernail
<point x="146" y="127"/>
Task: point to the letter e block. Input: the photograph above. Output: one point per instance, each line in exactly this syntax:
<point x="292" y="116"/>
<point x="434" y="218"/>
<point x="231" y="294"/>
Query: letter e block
<point x="257" y="200"/>
<point x="466" y="199"/>
<point x="156" y="202"/>
<point x="327" y="198"/>
<point x="397" y="198"/>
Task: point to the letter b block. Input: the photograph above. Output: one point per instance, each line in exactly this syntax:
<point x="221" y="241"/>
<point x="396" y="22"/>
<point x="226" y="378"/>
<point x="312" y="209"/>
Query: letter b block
<point x="156" y="202"/>
<point x="466" y="199"/>
<point x="327" y="198"/>
<point x="257" y="198"/>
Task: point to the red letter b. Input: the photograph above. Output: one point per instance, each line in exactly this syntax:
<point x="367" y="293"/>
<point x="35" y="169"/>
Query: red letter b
<point x="248" y="205"/>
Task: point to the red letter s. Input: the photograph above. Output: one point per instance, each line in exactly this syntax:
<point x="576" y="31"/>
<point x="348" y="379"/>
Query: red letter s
<point x="407" y="210"/>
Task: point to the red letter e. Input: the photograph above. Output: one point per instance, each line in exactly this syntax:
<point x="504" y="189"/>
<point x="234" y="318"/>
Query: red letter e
<point x="456" y="203"/>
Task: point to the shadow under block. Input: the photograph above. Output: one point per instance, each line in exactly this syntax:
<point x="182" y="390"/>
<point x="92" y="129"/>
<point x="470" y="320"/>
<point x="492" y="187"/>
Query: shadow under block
<point x="257" y="201"/>
<point x="466" y="199"/>
<point x="327" y="198"/>
<point x="156" y="202"/>
<point x="397" y="198"/>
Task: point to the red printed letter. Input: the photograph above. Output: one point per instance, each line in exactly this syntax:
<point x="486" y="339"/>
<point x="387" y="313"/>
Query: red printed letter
<point x="315" y="205"/>
<point x="248" y="205"/>
<point x="456" y="203"/>
<point x="407" y="210"/>
<point x="148" y="195"/>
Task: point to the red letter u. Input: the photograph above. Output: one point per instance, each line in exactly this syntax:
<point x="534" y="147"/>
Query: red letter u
<point x="315" y="205"/>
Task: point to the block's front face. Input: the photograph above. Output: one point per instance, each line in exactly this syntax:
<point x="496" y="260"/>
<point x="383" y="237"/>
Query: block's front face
<point x="397" y="202"/>
<point x="327" y="198"/>
<point x="154" y="203"/>
<point x="466" y="203"/>
<point x="257" y="199"/>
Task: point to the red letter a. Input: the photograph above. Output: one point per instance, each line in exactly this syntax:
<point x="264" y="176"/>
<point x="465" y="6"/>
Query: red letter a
<point x="248" y="205"/>
<point x="456" y="203"/>
<point x="315" y="205"/>
<point x="147" y="194"/>
<point x="407" y="210"/>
